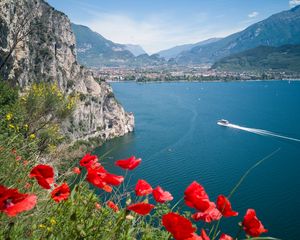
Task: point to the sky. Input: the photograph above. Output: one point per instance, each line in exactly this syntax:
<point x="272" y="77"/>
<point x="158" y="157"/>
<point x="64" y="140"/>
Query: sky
<point x="160" y="24"/>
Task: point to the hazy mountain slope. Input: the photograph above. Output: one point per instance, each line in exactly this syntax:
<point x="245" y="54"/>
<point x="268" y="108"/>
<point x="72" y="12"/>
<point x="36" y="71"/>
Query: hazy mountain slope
<point x="94" y="50"/>
<point x="174" y="51"/>
<point x="285" y="58"/>
<point x="136" y="50"/>
<point x="279" y="29"/>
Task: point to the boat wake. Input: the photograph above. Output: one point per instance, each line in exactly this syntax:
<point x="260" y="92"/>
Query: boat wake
<point x="261" y="132"/>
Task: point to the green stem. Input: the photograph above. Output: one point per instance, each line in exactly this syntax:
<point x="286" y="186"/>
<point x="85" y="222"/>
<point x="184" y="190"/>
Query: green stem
<point x="241" y="181"/>
<point x="239" y="232"/>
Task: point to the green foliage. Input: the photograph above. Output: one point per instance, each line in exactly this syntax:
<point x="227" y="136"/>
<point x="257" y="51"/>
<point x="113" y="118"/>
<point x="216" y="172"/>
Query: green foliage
<point x="263" y="58"/>
<point x="76" y="218"/>
<point x="36" y="113"/>
<point x="8" y="95"/>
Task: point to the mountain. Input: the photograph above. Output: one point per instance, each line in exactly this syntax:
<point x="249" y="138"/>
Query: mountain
<point x="136" y="50"/>
<point x="263" y="58"/>
<point x="279" y="29"/>
<point x="46" y="51"/>
<point x="95" y="51"/>
<point x="174" y="51"/>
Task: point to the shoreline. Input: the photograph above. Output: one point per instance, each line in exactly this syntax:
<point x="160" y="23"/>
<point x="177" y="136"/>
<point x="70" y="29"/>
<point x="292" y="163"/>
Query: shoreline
<point x="185" y="81"/>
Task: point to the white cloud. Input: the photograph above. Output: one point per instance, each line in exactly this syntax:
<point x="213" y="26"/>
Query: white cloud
<point x="253" y="14"/>
<point x="154" y="32"/>
<point x="294" y="3"/>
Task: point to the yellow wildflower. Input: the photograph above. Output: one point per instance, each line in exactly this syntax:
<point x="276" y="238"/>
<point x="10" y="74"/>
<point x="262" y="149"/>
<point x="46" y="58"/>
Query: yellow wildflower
<point x="9" y="116"/>
<point x="11" y="126"/>
<point x="53" y="221"/>
<point x="42" y="226"/>
<point x="54" y="88"/>
<point x="32" y="136"/>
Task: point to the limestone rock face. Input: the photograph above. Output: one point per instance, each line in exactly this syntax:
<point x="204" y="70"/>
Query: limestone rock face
<point x="47" y="53"/>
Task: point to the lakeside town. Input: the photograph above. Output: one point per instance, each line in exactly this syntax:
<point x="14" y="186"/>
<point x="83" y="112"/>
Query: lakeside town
<point x="186" y="73"/>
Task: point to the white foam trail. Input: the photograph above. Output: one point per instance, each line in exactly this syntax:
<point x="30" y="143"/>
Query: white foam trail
<point x="261" y="132"/>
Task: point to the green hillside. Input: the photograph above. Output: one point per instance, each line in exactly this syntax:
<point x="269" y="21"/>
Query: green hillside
<point x="285" y="58"/>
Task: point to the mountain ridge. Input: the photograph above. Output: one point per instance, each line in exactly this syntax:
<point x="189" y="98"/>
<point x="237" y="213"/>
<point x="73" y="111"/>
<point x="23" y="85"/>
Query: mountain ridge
<point x="279" y="29"/>
<point x="135" y="49"/>
<point x="96" y="51"/>
<point x="174" y="51"/>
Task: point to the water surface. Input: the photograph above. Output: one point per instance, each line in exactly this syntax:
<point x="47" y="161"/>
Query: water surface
<point x="179" y="141"/>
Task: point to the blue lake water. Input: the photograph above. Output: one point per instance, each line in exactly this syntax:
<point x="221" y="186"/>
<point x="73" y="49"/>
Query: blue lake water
<point x="177" y="137"/>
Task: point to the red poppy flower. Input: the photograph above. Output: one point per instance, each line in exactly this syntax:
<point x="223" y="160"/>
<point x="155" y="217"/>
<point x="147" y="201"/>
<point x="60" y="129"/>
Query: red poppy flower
<point x="88" y="160"/>
<point x="226" y="237"/>
<point x="252" y="225"/>
<point x="113" y="206"/>
<point x="141" y="208"/>
<point x="112" y="179"/>
<point x="12" y="202"/>
<point x="96" y="165"/>
<point x="76" y="170"/>
<point x="61" y="193"/>
<point x="161" y="196"/>
<point x="194" y="237"/>
<point x="97" y="206"/>
<point x="224" y="207"/>
<point x="142" y="188"/>
<point x="44" y="174"/>
<point x="180" y="227"/>
<point x="95" y="177"/>
<point x="129" y="164"/>
<point x="211" y="214"/>
<point x="204" y="235"/>
<point x="196" y="197"/>
<point x="197" y="237"/>
<point x="100" y="178"/>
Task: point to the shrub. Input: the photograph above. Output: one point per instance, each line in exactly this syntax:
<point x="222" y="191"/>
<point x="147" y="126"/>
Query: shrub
<point x="8" y="95"/>
<point x="37" y="112"/>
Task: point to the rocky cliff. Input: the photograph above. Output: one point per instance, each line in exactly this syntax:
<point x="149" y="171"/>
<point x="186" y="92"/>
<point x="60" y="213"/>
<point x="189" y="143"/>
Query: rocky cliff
<point x="46" y="51"/>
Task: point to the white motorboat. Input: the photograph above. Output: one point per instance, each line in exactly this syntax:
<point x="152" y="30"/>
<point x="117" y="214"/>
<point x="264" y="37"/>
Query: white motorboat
<point x="223" y="122"/>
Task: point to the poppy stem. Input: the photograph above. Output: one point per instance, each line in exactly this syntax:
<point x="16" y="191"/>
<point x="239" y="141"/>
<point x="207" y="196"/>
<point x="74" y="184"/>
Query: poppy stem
<point x="239" y="232"/>
<point x="241" y="181"/>
<point x="249" y="170"/>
